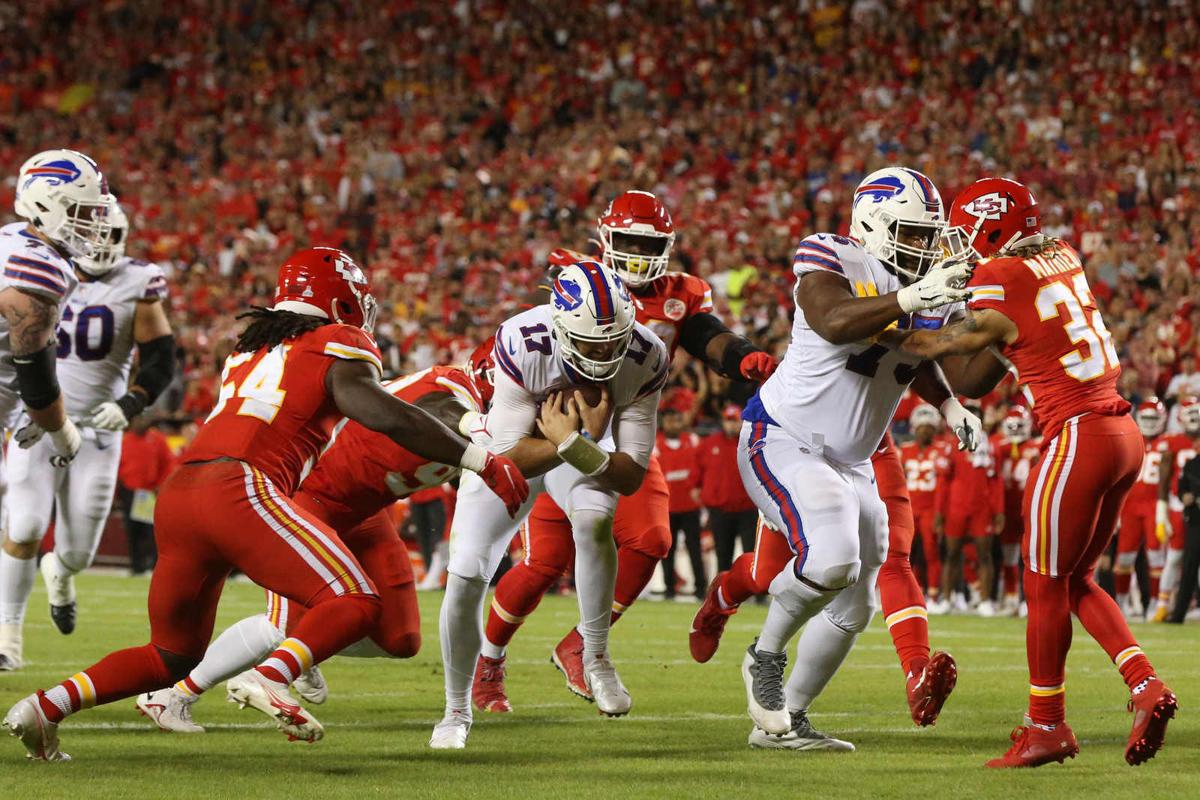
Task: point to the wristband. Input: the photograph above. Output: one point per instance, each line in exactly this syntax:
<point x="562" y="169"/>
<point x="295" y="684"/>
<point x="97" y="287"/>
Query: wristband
<point x="466" y="421"/>
<point x="132" y="403"/>
<point x="585" y="456"/>
<point x="473" y="458"/>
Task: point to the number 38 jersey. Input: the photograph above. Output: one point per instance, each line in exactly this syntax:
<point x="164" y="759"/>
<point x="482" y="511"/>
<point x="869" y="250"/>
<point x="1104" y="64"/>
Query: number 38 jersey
<point x="840" y="398"/>
<point x="1063" y="354"/>
<point x="95" y="333"/>
<point x="274" y="412"/>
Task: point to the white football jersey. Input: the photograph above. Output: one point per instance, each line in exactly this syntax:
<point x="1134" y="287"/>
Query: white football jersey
<point x="840" y="399"/>
<point x="95" y="334"/>
<point x="29" y="264"/>
<point x="529" y="367"/>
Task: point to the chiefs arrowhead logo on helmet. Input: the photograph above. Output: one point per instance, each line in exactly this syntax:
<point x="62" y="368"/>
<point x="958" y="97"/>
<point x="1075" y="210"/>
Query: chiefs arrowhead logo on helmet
<point x="988" y="206"/>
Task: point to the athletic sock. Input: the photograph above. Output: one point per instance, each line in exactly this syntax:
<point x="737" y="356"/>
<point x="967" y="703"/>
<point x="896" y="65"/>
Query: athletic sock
<point x="635" y="570"/>
<point x="16" y="584"/>
<point x="239" y="647"/>
<point x="1102" y="618"/>
<point x="737" y="584"/>
<point x="1047" y="640"/>
<point x="459" y="630"/>
<point x="118" y="675"/>
<point x="517" y="595"/>
<point x="904" y="612"/>
<point x="328" y="627"/>
<point x="821" y="649"/>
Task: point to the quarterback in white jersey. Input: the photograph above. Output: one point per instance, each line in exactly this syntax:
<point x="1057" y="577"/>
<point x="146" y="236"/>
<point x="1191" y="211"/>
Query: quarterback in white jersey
<point x="586" y="335"/>
<point x="809" y="433"/>
<point x="116" y="306"/>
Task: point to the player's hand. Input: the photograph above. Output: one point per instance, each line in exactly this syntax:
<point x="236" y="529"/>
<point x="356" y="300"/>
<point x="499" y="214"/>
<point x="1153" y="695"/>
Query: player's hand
<point x="1162" y="521"/>
<point x="28" y="435"/>
<point x="66" y="441"/>
<point x="108" y="417"/>
<point x="944" y="283"/>
<point x="562" y="257"/>
<point x="966" y="426"/>
<point x="502" y="477"/>
<point x="757" y="366"/>
<point x="559" y="418"/>
<point x="594" y="418"/>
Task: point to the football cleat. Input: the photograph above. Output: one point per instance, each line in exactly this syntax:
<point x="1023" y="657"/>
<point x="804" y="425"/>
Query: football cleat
<point x="709" y="624"/>
<point x="605" y="687"/>
<point x="762" y="673"/>
<point x="986" y="608"/>
<point x="29" y="723"/>
<point x="1033" y="746"/>
<point x="488" y="690"/>
<point x="938" y="607"/>
<point x="252" y="689"/>
<point x="802" y="736"/>
<point x="169" y="709"/>
<point x="9" y="663"/>
<point x="929" y="688"/>
<point x="568" y="657"/>
<point x="311" y="686"/>
<point x="1153" y="706"/>
<point x="1161" y="612"/>
<point x="61" y="589"/>
<point x="451" y="732"/>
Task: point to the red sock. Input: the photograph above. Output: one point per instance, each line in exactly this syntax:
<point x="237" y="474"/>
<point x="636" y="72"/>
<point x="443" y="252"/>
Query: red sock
<point x="517" y="595"/>
<point x="904" y="612"/>
<point x="116" y="676"/>
<point x="1122" y="581"/>
<point x="1102" y="618"/>
<point x="635" y="569"/>
<point x="933" y="565"/>
<point x="1010" y="579"/>
<point x="1047" y="640"/>
<point x="328" y="628"/>
<point x="738" y="584"/>
<point x="970" y="574"/>
<point x="1155" y="580"/>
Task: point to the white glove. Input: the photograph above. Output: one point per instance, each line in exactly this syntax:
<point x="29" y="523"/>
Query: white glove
<point x="944" y="283"/>
<point x="108" y="417"/>
<point x="66" y="441"/>
<point x="1162" y="521"/>
<point x="28" y="435"/>
<point x="966" y="426"/>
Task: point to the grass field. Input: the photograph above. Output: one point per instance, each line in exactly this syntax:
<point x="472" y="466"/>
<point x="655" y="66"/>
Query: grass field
<point x="686" y="736"/>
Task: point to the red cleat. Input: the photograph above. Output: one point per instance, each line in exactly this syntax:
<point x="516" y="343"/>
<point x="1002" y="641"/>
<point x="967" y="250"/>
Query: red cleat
<point x="929" y="688"/>
<point x="1033" y="746"/>
<point x="1153" y="707"/>
<point x="709" y="624"/>
<point x="568" y="657"/>
<point x="488" y="689"/>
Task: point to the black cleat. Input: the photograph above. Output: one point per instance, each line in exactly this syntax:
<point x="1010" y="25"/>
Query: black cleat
<point x="64" y="617"/>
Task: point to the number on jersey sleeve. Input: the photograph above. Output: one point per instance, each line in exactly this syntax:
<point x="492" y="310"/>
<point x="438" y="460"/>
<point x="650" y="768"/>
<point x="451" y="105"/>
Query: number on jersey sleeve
<point x="1102" y="355"/>
<point x="258" y="394"/>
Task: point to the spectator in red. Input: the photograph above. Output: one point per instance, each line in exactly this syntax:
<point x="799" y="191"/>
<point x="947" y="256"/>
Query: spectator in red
<point x="925" y="458"/>
<point x="146" y="460"/>
<point x="731" y="513"/>
<point x="678" y="451"/>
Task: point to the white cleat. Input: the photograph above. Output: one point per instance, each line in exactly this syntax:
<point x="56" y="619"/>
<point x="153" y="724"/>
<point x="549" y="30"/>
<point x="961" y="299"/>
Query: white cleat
<point x="762" y="673"/>
<point x="311" y="686"/>
<point x="27" y="721"/>
<point x="273" y="699"/>
<point x="802" y="736"/>
<point x="451" y="732"/>
<point x="986" y="609"/>
<point x="169" y="709"/>
<point x="938" y="607"/>
<point x="11" y="648"/>
<point x="610" y="695"/>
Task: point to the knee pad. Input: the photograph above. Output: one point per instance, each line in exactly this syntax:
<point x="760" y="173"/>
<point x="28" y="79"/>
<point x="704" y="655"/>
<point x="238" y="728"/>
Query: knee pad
<point x="1125" y="562"/>
<point x="833" y="576"/>
<point x="855" y="619"/>
<point x="594" y="525"/>
<point x="896" y="564"/>
<point x="549" y="556"/>
<point x="796" y="596"/>
<point x="74" y="561"/>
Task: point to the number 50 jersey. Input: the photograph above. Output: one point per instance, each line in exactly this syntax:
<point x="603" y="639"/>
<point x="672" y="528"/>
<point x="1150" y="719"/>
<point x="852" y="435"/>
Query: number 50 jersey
<point x="840" y="398"/>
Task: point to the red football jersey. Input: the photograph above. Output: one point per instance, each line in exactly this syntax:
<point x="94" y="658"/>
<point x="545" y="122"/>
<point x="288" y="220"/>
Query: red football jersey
<point x="969" y="480"/>
<point x="1185" y="449"/>
<point x="1144" y="493"/>
<point x="274" y="412"/>
<point x="1014" y="462"/>
<point x="922" y="465"/>
<point x="665" y="303"/>
<point x="680" y="461"/>
<point x="1063" y="353"/>
<point x="362" y="471"/>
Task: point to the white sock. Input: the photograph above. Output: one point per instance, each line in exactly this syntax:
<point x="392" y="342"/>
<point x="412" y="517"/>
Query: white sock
<point x="595" y="577"/>
<point x="16" y="583"/>
<point x="820" y="650"/>
<point x="491" y="650"/>
<point x="238" y="648"/>
<point x="1170" y="575"/>
<point x="461" y="632"/>
<point x="793" y="603"/>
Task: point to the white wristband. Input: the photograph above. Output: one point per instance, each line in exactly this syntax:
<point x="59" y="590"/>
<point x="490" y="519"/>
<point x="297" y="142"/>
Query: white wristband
<point x="583" y="454"/>
<point x="466" y="421"/>
<point x="473" y="458"/>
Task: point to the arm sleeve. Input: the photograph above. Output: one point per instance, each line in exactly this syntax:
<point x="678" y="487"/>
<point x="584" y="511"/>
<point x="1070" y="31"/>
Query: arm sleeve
<point x="512" y="413"/>
<point x="634" y="428"/>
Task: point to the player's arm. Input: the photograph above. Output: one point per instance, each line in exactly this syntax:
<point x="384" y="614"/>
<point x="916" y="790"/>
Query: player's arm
<point x="1162" y="508"/>
<point x="156" y="367"/>
<point x="975" y="376"/>
<point x="621" y="471"/>
<point x="706" y="338"/>
<point x="930" y="384"/>
<point x="975" y="332"/>
<point x="31" y="322"/>
<point x="452" y="412"/>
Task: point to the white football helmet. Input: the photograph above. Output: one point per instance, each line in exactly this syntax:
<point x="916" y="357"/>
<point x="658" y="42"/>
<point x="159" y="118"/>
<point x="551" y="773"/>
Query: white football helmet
<point x="899" y="218"/>
<point x="924" y="414"/>
<point x="1017" y="424"/>
<point x="112" y="250"/>
<point x="593" y="318"/>
<point x="1189" y="415"/>
<point x="63" y="194"/>
<point x="1151" y="417"/>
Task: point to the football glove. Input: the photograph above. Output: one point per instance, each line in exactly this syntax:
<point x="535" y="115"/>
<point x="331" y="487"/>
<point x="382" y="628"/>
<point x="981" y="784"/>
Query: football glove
<point x="966" y="426"/>
<point x="108" y="417"/>
<point x="502" y="477"/>
<point x="1162" y="521"/>
<point x="944" y="283"/>
<point x="757" y="366"/>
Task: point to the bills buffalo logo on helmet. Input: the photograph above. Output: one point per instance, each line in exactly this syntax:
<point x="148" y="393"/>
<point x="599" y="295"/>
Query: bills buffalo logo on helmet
<point x="56" y="172"/>
<point x="568" y="295"/>
<point x="879" y="190"/>
<point x="988" y="206"/>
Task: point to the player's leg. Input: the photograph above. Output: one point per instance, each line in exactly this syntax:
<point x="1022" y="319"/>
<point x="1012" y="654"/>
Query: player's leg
<point x="981" y="536"/>
<point x="933" y="559"/>
<point x="721" y="526"/>
<point x="642" y="529"/>
<point x="1172" y="567"/>
<point x="955" y="531"/>
<point x="690" y="524"/>
<point x="900" y="593"/>
<point x="29" y="503"/>
<point x="1129" y="539"/>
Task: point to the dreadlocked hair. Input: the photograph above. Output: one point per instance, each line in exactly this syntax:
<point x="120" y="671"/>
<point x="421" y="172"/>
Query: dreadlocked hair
<point x="269" y="327"/>
<point x="1030" y="250"/>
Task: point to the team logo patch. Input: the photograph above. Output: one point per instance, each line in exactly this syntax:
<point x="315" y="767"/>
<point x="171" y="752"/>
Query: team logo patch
<point x="988" y="206"/>
<point x="879" y="190"/>
<point x="674" y="308"/>
<point x="56" y="172"/>
<point x="568" y="295"/>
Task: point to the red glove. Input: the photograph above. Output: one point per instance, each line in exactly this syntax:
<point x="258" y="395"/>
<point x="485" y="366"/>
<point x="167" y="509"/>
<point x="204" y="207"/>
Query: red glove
<point x="562" y="257"/>
<point x="757" y="366"/>
<point x="502" y="477"/>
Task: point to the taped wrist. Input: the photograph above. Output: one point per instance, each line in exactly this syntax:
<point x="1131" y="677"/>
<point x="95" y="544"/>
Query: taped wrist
<point x="473" y="458"/>
<point x="156" y="368"/>
<point x="466" y="421"/>
<point x="37" y="381"/>
<point x="731" y="359"/>
<point x="584" y="455"/>
<point x="132" y="404"/>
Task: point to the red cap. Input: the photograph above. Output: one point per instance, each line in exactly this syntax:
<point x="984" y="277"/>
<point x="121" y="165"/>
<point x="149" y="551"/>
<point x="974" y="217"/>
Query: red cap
<point x="731" y="411"/>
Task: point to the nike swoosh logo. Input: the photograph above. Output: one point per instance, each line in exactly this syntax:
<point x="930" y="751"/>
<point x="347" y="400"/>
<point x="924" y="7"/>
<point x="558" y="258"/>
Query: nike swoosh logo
<point x="512" y="351"/>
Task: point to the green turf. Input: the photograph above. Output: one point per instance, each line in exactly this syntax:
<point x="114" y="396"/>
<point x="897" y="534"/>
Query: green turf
<point x="685" y="738"/>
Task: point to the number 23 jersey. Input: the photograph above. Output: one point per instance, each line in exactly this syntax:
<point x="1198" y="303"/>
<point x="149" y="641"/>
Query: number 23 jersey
<point x="840" y="398"/>
<point x="274" y="411"/>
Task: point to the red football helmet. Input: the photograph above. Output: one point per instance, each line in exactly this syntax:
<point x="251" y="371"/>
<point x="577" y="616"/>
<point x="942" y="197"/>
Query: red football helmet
<point x="480" y="368"/>
<point x="1017" y="424"/>
<point x="1151" y="416"/>
<point x="325" y="282"/>
<point x="990" y="216"/>
<point x="1189" y="415"/>
<point x="637" y="234"/>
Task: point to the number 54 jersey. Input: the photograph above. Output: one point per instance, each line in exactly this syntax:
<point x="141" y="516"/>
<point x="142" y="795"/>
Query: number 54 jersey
<point x="840" y="398"/>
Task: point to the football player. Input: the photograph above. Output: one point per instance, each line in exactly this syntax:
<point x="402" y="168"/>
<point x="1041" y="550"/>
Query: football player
<point x="1139" y="527"/>
<point x="1169" y="509"/>
<point x="1031" y="301"/>
<point x="636" y="234"/>
<point x="924" y="457"/>
<point x="117" y="306"/>
<point x="586" y="335"/>
<point x="1017" y="451"/>
<point x="65" y="202"/>
<point x="296" y="369"/>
